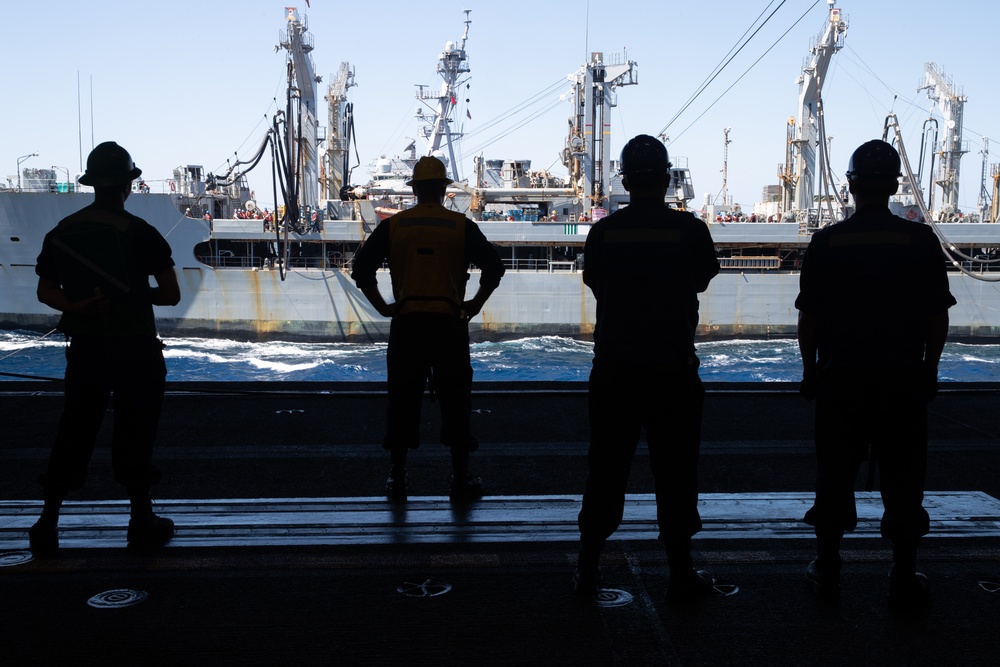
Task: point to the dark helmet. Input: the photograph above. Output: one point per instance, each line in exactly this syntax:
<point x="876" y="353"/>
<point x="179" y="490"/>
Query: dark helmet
<point x="644" y="154"/>
<point x="109" y="164"/>
<point x="874" y="160"/>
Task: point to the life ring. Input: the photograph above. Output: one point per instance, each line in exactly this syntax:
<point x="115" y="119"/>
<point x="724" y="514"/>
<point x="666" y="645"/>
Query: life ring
<point x="172" y="186"/>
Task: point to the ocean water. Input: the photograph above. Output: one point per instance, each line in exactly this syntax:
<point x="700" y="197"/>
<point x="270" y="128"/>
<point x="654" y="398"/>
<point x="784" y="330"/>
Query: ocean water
<point x="525" y="360"/>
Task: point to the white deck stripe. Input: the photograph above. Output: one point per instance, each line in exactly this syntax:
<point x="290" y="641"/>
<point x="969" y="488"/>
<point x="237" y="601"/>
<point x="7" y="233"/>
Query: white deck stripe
<point x="341" y="521"/>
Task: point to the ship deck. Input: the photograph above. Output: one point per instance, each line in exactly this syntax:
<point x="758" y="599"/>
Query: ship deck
<point x="286" y="552"/>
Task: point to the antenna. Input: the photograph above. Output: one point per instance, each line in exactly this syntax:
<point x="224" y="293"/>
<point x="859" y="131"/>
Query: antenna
<point x="468" y="22"/>
<point x="79" y="119"/>
<point x="725" y="165"/>
<point x="91" y="112"/>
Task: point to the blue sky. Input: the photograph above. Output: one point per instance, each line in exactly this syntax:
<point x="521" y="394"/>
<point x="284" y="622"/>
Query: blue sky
<point x="192" y="82"/>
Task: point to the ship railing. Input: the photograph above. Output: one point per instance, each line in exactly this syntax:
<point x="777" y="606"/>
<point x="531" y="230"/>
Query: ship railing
<point x="980" y="264"/>
<point x="541" y="265"/>
<point x="569" y="265"/>
<point x="744" y="263"/>
<point x="230" y="261"/>
<point x="309" y="263"/>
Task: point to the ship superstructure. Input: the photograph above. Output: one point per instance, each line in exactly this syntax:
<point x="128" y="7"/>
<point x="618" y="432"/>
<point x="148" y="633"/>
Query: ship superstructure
<point x="249" y="272"/>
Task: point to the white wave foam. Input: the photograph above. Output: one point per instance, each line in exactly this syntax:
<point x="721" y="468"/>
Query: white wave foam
<point x="538" y="343"/>
<point x="14" y="341"/>
<point x="968" y="358"/>
<point x="780" y="343"/>
<point x="283" y="367"/>
<point x="195" y="354"/>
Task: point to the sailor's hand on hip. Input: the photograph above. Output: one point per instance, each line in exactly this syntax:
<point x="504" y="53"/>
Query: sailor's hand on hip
<point x="469" y="309"/>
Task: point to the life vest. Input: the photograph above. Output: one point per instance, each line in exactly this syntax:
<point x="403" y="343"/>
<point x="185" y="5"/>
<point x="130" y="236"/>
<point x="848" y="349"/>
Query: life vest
<point x="427" y="260"/>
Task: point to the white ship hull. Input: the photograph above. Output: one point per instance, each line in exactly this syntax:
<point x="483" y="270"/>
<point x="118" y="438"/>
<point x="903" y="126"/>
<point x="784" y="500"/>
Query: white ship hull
<point x="324" y="303"/>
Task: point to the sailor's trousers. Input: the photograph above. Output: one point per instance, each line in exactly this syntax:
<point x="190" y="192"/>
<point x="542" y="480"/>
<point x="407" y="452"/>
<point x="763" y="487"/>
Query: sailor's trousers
<point x="129" y="370"/>
<point x="667" y="400"/>
<point x="428" y="347"/>
<point x="883" y="414"/>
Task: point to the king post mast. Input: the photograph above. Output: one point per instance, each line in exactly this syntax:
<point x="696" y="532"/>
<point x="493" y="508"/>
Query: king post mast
<point x="594" y="98"/>
<point x="806" y="142"/>
<point x="950" y="99"/>
<point x="303" y="147"/>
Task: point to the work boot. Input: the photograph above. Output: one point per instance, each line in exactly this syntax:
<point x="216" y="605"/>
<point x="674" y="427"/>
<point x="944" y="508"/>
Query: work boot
<point x="824" y="579"/>
<point x="690" y="584"/>
<point x="149" y="532"/>
<point x="587" y="582"/>
<point x="465" y="488"/>
<point x="395" y="485"/>
<point x="587" y="578"/>
<point x="43" y="539"/>
<point x="908" y="591"/>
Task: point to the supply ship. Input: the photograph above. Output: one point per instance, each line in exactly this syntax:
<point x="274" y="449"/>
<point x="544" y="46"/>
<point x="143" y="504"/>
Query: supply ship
<point x="250" y="273"/>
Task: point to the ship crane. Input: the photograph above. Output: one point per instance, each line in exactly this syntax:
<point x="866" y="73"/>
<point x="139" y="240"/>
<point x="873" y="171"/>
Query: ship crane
<point x="950" y="100"/>
<point x="587" y="154"/>
<point x="995" y="197"/>
<point x="340" y="121"/>
<point x="805" y="144"/>
<point x="303" y="124"/>
<point x="985" y="202"/>
<point x="958" y="258"/>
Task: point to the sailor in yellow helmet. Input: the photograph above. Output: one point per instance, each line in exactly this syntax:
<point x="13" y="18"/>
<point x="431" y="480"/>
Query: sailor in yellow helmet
<point x="429" y="250"/>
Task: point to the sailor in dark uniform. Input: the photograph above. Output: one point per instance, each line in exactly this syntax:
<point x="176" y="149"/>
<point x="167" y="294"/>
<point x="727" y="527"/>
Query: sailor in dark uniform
<point x="873" y="318"/>
<point x="94" y="267"/>
<point x="646" y="264"/>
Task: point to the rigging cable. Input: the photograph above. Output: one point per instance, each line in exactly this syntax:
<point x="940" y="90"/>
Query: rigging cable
<point x="273" y="105"/>
<point x="279" y="251"/>
<point x="253" y="162"/>
<point x="747" y="71"/>
<point x="518" y="108"/>
<point x="950" y="250"/>
<point x="916" y="107"/>
<point x="510" y="130"/>
<point x="723" y="63"/>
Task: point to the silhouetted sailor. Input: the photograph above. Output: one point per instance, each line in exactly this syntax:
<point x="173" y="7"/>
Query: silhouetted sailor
<point x="873" y="318"/>
<point x="94" y="267"/>
<point x="429" y="250"/>
<point x="646" y="264"/>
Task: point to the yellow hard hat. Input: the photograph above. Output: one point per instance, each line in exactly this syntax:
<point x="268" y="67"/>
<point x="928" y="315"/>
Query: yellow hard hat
<point x="429" y="169"/>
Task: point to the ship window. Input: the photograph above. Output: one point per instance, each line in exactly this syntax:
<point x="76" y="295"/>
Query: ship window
<point x="15" y="239"/>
